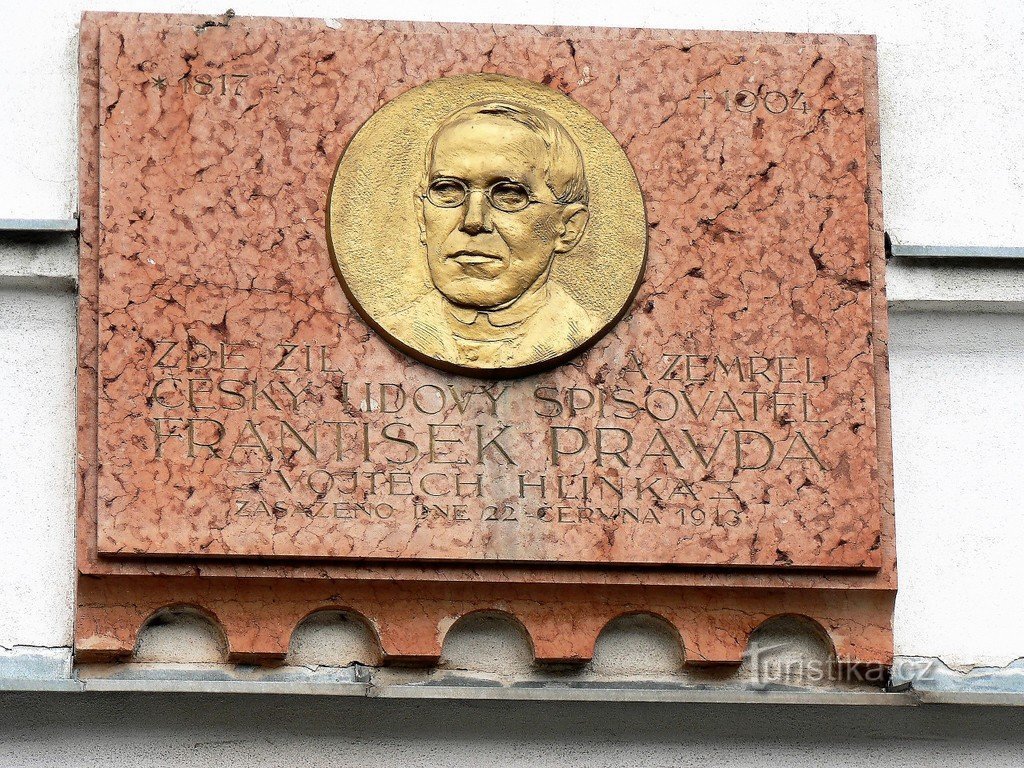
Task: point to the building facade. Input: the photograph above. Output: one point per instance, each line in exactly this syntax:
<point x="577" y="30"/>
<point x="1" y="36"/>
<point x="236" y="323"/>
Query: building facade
<point x="953" y="196"/>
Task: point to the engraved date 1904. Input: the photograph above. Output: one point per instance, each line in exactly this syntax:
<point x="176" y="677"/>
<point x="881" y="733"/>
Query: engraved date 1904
<point x="761" y="100"/>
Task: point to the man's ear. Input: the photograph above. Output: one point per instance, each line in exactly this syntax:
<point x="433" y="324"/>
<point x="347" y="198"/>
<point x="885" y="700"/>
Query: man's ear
<point x="574" y="222"/>
<point x="418" y="205"/>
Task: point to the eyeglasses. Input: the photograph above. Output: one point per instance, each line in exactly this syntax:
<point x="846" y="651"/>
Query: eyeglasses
<point x="506" y="196"/>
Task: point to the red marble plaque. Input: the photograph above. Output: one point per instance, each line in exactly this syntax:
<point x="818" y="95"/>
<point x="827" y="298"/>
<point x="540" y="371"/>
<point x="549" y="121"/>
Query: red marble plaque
<point x="238" y="418"/>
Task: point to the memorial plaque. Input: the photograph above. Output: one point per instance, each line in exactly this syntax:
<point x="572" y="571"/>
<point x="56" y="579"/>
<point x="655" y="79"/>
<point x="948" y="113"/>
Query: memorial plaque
<point x="391" y="310"/>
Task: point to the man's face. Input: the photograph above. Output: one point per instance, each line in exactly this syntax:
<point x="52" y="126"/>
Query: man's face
<point x="480" y="256"/>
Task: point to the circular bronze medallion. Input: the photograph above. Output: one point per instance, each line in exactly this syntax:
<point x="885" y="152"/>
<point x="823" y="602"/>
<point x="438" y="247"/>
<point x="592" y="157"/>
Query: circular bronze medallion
<point x="487" y="225"/>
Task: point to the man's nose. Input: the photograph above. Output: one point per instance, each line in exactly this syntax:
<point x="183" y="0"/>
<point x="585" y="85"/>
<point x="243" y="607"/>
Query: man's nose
<point x="477" y="217"/>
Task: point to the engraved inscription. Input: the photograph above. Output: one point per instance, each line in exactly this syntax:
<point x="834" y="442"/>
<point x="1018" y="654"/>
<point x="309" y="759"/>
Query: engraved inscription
<point x="667" y="446"/>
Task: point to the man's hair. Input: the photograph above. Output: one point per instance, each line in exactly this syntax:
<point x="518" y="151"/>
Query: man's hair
<point x="564" y="174"/>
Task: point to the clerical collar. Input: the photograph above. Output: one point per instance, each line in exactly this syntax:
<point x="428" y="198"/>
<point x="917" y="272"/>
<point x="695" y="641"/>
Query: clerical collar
<point x="519" y="311"/>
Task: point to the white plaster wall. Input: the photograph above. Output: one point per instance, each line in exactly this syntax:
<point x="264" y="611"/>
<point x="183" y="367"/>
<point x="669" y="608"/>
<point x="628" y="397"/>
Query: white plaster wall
<point x="958" y="434"/>
<point x="949" y="71"/>
<point x="37" y="484"/>
<point x="186" y="731"/>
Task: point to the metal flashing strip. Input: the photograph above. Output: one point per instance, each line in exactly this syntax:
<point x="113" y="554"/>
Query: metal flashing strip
<point x="482" y="692"/>
<point x="932" y="678"/>
<point x="38" y="227"/>
<point x="33" y="685"/>
<point x="641" y="694"/>
<point x="282" y="688"/>
<point x="956" y="252"/>
<point x="488" y="691"/>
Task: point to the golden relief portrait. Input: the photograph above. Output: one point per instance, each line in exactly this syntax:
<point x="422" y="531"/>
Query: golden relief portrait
<point x="474" y="270"/>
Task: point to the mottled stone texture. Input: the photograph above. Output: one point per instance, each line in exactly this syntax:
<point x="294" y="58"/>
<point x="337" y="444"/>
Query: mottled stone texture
<point x="207" y="152"/>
